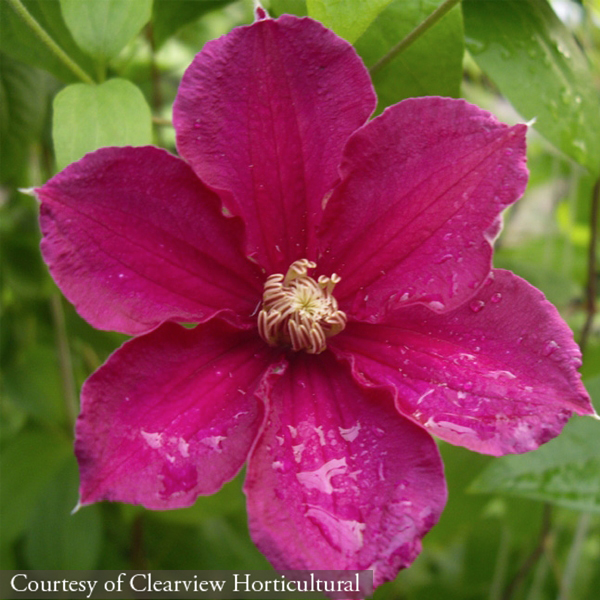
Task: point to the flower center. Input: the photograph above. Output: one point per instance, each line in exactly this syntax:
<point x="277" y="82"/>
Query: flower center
<point x="298" y="311"/>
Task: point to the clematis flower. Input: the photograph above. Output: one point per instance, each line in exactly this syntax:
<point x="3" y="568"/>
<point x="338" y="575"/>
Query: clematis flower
<point x="338" y="273"/>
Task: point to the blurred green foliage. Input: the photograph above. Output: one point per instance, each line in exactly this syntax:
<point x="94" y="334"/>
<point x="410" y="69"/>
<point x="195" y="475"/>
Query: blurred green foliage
<point x="521" y="56"/>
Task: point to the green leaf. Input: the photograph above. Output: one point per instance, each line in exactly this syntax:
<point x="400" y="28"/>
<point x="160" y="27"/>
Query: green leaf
<point x="538" y="65"/>
<point x="57" y="539"/>
<point x="565" y="471"/>
<point x="23" y="106"/>
<point x="290" y="7"/>
<point x="27" y="464"/>
<point x="170" y="15"/>
<point x="103" y="28"/>
<point x="38" y="391"/>
<point x="431" y="66"/>
<point x="20" y="42"/>
<point x="88" y="117"/>
<point x="229" y="499"/>
<point x="348" y="18"/>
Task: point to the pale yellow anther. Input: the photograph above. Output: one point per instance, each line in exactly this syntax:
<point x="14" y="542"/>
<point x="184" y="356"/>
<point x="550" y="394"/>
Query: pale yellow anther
<point x="298" y="311"/>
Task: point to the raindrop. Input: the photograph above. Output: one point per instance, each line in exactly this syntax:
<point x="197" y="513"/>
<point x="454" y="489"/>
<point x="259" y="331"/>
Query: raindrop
<point x="566" y="96"/>
<point x="496" y="298"/>
<point x="476" y="46"/>
<point x="549" y="348"/>
<point x="443" y="259"/>
<point x="477" y="305"/>
<point x="563" y="50"/>
<point x="344" y="534"/>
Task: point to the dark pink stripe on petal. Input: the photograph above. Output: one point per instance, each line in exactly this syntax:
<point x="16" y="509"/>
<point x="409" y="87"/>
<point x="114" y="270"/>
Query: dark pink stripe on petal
<point x="498" y="375"/>
<point x="170" y="416"/>
<point x="418" y="207"/>
<point x="133" y="238"/>
<point x="262" y="114"/>
<point x="338" y="479"/>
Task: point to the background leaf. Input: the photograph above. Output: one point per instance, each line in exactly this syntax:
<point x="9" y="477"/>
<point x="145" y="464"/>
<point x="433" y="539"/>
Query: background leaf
<point x="565" y="471"/>
<point x="170" y="15"/>
<point x="88" y="117"/>
<point x="24" y="97"/>
<point x="103" y="28"/>
<point x="537" y="64"/>
<point x="20" y="42"/>
<point x="57" y="539"/>
<point x="431" y="66"/>
<point x="27" y="464"/>
<point x="348" y="18"/>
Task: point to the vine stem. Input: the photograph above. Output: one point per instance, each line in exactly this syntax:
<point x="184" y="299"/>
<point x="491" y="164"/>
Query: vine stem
<point x="542" y="543"/>
<point x="591" y="290"/>
<point x="416" y="33"/>
<point x="42" y="34"/>
<point x="64" y="357"/>
<point x="570" y="571"/>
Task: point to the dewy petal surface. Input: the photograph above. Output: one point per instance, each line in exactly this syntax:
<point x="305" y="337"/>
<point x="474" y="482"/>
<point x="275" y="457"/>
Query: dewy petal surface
<point x="263" y="114"/>
<point x="133" y="239"/>
<point x="497" y="375"/>
<point x="171" y="415"/>
<point x="338" y="479"/>
<point x="418" y="206"/>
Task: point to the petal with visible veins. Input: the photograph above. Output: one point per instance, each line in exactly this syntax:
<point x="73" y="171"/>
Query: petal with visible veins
<point x="262" y="115"/>
<point x="171" y="415"/>
<point x="338" y="479"/>
<point x="498" y="375"/>
<point x="418" y="206"/>
<point x="133" y="238"/>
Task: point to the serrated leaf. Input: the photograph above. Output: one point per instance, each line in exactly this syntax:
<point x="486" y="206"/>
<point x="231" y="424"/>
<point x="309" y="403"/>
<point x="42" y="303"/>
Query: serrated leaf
<point x="565" y="471"/>
<point x="27" y="464"/>
<point x="57" y="539"/>
<point x="170" y="15"/>
<point x="88" y="117"/>
<point x="431" y="66"/>
<point x="20" y="42"/>
<point x="103" y="28"/>
<point x="348" y="18"/>
<point x="538" y="65"/>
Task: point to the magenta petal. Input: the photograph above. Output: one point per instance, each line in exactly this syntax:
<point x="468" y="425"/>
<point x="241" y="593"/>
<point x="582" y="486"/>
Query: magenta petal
<point x="338" y="479"/>
<point x="263" y="114"/>
<point x="133" y="239"/>
<point x="171" y="415"/>
<point x="422" y="188"/>
<point x="498" y="375"/>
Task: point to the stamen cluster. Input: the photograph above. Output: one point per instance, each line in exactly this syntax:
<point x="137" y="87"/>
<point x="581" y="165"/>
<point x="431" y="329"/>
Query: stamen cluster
<point x="298" y="311"/>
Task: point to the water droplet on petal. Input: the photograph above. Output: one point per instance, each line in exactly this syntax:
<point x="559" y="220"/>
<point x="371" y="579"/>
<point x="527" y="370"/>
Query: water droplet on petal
<point x="343" y="534"/>
<point x="549" y="348"/>
<point x="496" y="298"/>
<point x="477" y="305"/>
